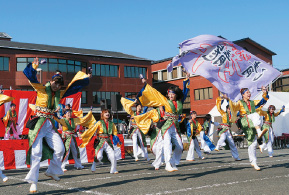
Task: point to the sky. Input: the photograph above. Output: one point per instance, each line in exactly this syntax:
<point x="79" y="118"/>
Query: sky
<point x="149" y="29"/>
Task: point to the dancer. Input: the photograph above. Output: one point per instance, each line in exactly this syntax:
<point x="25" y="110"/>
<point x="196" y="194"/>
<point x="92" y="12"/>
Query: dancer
<point x="173" y="107"/>
<point x="206" y="143"/>
<point x="250" y="120"/>
<point x="193" y="129"/>
<point x="68" y="134"/>
<point x="225" y="134"/>
<point x="44" y="139"/>
<point x="10" y="122"/>
<point x="4" y="99"/>
<point x="269" y="135"/>
<point x="137" y="136"/>
<point x="144" y="123"/>
<point x="104" y="130"/>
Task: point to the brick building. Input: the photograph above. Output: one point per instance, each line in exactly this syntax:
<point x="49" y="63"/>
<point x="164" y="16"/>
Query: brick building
<point x="114" y="72"/>
<point x="282" y="83"/>
<point x="203" y="94"/>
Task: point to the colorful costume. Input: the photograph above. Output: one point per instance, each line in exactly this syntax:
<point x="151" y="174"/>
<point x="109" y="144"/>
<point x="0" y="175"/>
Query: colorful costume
<point x="143" y="122"/>
<point x="225" y="134"/>
<point x="138" y="140"/>
<point x="68" y="134"/>
<point x="103" y="130"/>
<point x="10" y="121"/>
<point x="170" y="129"/>
<point x="206" y="143"/>
<point x="4" y="99"/>
<point x="267" y="124"/>
<point x="249" y="120"/>
<point x="52" y="146"/>
<point x="193" y="129"/>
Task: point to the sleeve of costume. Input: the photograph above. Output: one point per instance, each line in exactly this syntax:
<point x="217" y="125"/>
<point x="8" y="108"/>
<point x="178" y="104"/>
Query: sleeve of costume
<point x="261" y="112"/>
<point x="61" y="121"/>
<point x="279" y="112"/>
<point x="262" y="101"/>
<point x="6" y="118"/>
<point x="189" y="129"/>
<point x="127" y="105"/>
<point x="144" y="121"/>
<point x="199" y="128"/>
<point x="79" y="81"/>
<point x="218" y="104"/>
<point x="148" y="96"/>
<point x="5" y="98"/>
<point x="115" y="138"/>
<point x="235" y="108"/>
<point x="86" y="121"/>
<point x="186" y="88"/>
<point x="87" y="135"/>
<point x="31" y="74"/>
<point x="77" y="113"/>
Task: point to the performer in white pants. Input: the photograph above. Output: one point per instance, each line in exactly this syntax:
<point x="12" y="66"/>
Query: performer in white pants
<point x="173" y="107"/>
<point x="225" y="132"/>
<point x="10" y="122"/>
<point x="44" y="140"/>
<point x="104" y="129"/>
<point x="269" y="119"/>
<point x="68" y="125"/>
<point x="250" y="120"/>
<point x="158" y="150"/>
<point x="193" y="129"/>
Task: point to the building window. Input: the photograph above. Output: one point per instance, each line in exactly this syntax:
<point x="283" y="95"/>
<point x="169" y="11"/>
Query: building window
<point x="134" y="72"/>
<point x="131" y="95"/>
<point x="53" y="64"/>
<point x="105" y="70"/>
<point x="155" y="77"/>
<point x="175" y="73"/>
<point x="84" y="97"/>
<point x="4" y="64"/>
<point x="102" y="95"/>
<point x="29" y="89"/>
<point x="204" y="94"/>
<point x="164" y="75"/>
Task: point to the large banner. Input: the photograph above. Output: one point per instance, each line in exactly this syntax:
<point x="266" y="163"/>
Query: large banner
<point x="226" y="65"/>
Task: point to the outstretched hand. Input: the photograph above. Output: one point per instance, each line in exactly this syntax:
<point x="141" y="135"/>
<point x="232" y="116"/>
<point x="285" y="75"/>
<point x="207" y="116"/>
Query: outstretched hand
<point x="36" y="61"/>
<point x="264" y="89"/>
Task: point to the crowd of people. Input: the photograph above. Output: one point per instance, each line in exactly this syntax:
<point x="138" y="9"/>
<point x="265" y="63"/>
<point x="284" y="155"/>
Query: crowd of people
<point x="156" y="116"/>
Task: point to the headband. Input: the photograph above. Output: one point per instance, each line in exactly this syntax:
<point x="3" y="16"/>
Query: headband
<point x="56" y="75"/>
<point x="171" y="91"/>
<point x="244" y="91"/>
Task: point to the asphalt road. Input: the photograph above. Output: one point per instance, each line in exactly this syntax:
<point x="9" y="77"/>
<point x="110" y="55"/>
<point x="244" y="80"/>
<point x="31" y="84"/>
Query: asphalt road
<point x="218" y="174"/>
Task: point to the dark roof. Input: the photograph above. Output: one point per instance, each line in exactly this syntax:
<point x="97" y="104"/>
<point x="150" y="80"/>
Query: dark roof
<point x="66" y="50"/>
<point x="256" y="44"/>
<point x="163" y="60"/>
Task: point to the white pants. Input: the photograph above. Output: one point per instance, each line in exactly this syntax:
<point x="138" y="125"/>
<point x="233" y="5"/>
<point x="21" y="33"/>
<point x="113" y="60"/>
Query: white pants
<point x="15" y="134"/>
<point x="221" y="142"/>
<point x="252" y="151"/>
<point x="110" y="154"/>
<point x="73" y="150"/>
<point x="158" y="150"/>
<point x="194" y="145"/>
<point x="172" y="137"/>
<point x="204" y="145"/>
<point x="270" y="142"/>
<point x="137" y="135"/>
<point x="54" y="142"/>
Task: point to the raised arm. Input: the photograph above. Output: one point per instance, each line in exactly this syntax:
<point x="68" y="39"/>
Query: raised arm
<point x="280" y="111"/>
<point x="264" y="99"/>
<point x="149" y="96"/>
<point x="186" y="87"/>
<point x="219" y="104"/>
<point x="31" y="74"/>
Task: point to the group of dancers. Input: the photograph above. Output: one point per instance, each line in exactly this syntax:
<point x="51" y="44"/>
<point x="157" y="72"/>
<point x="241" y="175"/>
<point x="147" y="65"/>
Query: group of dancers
<point x="163" y="123"/>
